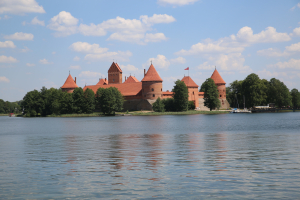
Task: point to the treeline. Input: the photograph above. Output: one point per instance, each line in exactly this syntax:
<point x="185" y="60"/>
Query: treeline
<point x="258" y="92"/>
<point x="179" y="102"/>
<point x="10" y="107"/>
<point x="55" y="101"/>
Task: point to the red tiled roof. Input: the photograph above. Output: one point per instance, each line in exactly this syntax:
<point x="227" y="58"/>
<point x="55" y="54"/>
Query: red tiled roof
<point x="70" y="83"/>
<point x="168" y="93"/>
<point x="217" y="77"/>
<point x="128" y="89"/>
<point x="131" y="79"/>
<point x="189" y="82"/>
<point x="114" y="68"/>
<point x="152" y="75"/>
<point x="102" y="82"/>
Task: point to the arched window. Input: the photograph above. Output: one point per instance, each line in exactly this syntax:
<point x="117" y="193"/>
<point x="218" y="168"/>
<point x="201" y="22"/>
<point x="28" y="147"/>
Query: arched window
<point x="153" y="95"/>
<point x="113" y="80"/>
<point x="152" y="89"/>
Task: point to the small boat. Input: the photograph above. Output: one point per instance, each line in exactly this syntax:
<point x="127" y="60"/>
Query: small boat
<point x="11" y="115"/>
<point x="235" y="110"/>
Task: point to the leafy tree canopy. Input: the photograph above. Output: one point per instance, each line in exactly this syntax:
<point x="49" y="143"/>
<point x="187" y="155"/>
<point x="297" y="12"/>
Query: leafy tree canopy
<point x="180" y="96"/>
<point x="211" y="94"/>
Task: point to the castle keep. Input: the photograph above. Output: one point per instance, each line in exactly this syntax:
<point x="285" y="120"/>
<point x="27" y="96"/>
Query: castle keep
<point x="140" y="95"/>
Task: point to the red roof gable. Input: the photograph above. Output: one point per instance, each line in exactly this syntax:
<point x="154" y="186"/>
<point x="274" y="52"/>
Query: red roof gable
<point x="131" y="79"/>
<point x="102" y="82"/>
<point x="152" y="75"/>
<point x="217" y="77"/>
<point x="189" y="82"/>
<point x="70" y="83"/>
<point x="128" y="89"/>
<point x="114" y="68"/>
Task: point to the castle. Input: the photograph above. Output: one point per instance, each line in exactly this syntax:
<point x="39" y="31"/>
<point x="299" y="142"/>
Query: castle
<point x="140" y="95"/>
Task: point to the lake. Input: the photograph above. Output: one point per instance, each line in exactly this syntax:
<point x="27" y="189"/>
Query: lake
<point x="226" y="156"/>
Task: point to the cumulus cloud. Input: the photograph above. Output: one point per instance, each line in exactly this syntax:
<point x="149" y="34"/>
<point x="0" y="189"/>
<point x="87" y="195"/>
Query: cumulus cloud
<point x="4" y="79"/>
<point x="45" y="62"/>
<point x="176" y="2"/>
<point x="76" y="58"/>
<point x="291" y="64"/>
<point x="236" y="43"/>
<point x="159" y="62"/>
<point x="126" y="30"/>
<point x="95" y="52"/>
<point x="19" y="36"/>
<point x="30" y="64"/>
<point x="5" y="59"/>
<point x="179" y="60"/>
<point x="7" y="44"/>
<point x="35" y="21"/>
<point x="75" y="67"/>
<point x="130" y="68"/>
<point x="20" y="7"/>
<point x="289" y="50"/>
<point x="64" y="24"/>
<point x="265" y="73"/>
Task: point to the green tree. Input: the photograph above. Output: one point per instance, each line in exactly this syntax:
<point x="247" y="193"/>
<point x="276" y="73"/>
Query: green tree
<point x="234" y="94"/>
<point x="278" y="93"/>
<point x="295" y="94"/>
<point x="191" y="105"/>
<point x="99" y="94"/>
<point x="211" y="94"/>
<point x="255" y="91"/>
<point x="158" y="105"/>
<point x="180" y="96"/>
<point x="66" y="103"/>
<point x="89" y="101"/>
<point x="32" y="103"/>
<point x="111" y="100"/>
<point x="78" y="100"/>
<point x="169" y="104"/>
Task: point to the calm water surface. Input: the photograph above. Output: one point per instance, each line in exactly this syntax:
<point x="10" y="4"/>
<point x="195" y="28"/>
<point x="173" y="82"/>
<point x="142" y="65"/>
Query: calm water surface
<point x="230" y="156"/>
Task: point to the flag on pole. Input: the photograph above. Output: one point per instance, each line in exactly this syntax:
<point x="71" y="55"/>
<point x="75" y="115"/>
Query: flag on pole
<point x="188" y="68"/>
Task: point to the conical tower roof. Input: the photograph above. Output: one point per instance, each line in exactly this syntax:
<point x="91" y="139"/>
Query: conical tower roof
<point x="217" y="77"/>
<point x="114" y="68"/>
<point x="102" y="82"/>
<point x="131" y="79"/>
<point x="152" y="75"/>
<point x="189" y="82"/>
<point x="70" y="83"/>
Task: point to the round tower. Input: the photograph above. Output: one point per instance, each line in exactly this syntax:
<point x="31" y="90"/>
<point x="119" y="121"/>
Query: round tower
<point x="69" y="85"/>
<point x="220" y="83"/>
<point x="151" y="84"/>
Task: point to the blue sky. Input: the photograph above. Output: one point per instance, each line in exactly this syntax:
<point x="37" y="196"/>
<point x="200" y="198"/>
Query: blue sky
<point x="40" y="41"/>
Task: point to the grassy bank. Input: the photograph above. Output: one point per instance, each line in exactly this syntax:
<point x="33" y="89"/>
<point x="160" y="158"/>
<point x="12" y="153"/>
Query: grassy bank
<point x="190" y="112"/>
<point x="3" y="114"/>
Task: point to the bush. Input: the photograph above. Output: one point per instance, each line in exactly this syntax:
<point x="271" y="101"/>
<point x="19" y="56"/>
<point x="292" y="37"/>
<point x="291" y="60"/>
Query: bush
<point x="169" y="104"/>
<point x="191" y="105"/>
<point x="158" y="105"/>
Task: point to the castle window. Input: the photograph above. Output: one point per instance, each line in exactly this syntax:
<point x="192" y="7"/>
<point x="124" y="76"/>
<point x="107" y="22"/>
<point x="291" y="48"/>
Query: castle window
<point x="220" y="95"/>
<point x="161" y="89"/>
<point x="113" y="80"/>
<point x="152" y="89"/>
<point x="193" y="92"/>
<point x="153" y="95"/>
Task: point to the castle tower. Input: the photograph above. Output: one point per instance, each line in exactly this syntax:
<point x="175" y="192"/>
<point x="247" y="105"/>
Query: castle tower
<point x="220" y="83"/>
<point x="151" y="84"/>
<point x="69" y="85"/>
<point x="192" y="89"/>
<point x="114" y="74"/>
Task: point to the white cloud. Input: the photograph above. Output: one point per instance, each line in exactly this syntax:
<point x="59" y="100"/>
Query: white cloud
<point x="293" y="47"/>
<point x="95" y="52"/>
<point x="4" y="79"/>
<point x="291" y="64"/>
<point x="7" y="44"/>
<point x="157" y="19"/>
<point x="159" y="62"/>
<point x="20" y="7"/>
<point x="26" y="49"/>
<point x="128" y="67"/>
<point x="289" y="50"/>
<point x="85" y="47"/>
<point x="5" y="59"/>
<point x="206" y="66"/>
<point x="119" y="55"/>
<point x="76" y="58"/>
<point x="179" y="60"/>
<point x="35" y="21"/>
<point x="45" y="62"/>
<point x="19" y="36"/>
<point x="176" y="2"/>
<point x="64" y="24"/>
<point x="265" y="73"/>
<point x="126" y="30"/>
<point x="236" y="43"/>
<point x="90" y="74"/>
<point x="75" y="67"/>
<point x="296" y="32"/>
<point x="157" y="37"/>
<point x="30" y="64"/>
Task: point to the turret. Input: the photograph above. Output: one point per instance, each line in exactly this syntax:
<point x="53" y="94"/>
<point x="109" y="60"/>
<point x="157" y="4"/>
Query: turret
<point x="151" y="84"/>
<point x="220" y="83"/>
<point x="192" y="89"/>
<point x="69" y="85"/>
<point x="114" y="74"/>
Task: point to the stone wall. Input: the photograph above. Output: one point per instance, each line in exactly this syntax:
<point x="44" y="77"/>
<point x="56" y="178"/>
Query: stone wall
<point x="138" y="104"/>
